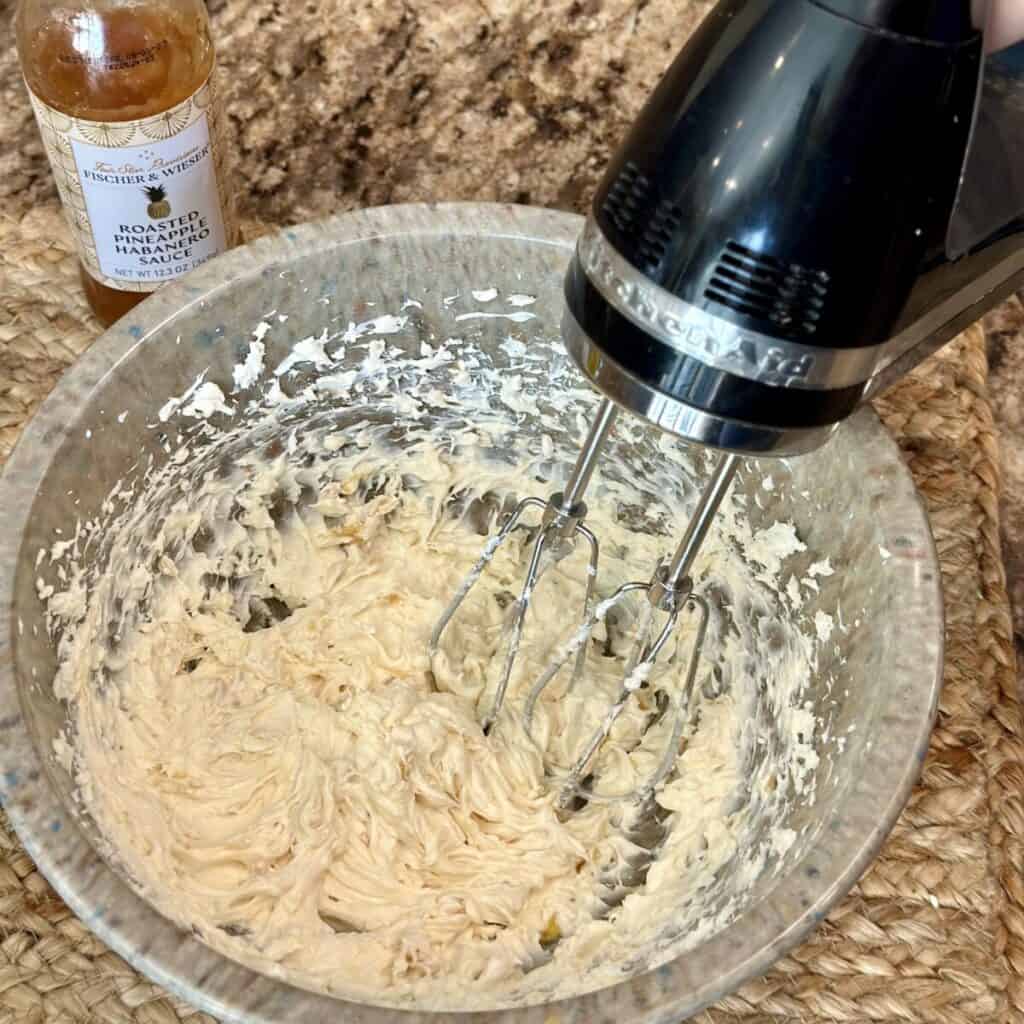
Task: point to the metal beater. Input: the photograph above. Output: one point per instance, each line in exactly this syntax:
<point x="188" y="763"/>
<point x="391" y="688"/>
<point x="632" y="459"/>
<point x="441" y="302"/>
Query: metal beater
<point x="561" y="522"/>
<point x="669" y="590"/>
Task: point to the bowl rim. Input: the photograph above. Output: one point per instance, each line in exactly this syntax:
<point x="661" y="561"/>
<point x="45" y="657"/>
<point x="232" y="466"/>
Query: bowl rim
<point x="234" y="992"/>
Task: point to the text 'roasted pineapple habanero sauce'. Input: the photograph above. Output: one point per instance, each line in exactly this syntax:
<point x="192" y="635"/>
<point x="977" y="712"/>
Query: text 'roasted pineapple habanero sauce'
<point x="124" y="95"/>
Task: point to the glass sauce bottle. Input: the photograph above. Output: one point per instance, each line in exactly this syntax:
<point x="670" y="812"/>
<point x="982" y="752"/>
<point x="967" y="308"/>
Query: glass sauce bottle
<point x="124" y="96"/>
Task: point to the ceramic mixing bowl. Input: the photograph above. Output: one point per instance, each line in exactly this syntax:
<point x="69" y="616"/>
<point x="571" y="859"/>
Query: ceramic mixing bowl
<point x="853" y="502"/>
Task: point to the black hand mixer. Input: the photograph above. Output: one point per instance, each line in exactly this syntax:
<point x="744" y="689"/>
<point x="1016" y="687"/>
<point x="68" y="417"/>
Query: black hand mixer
<point x="818" y="194"/>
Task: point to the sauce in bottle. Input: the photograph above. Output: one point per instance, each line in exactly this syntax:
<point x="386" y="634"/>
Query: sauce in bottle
<point x="124" y="95"/>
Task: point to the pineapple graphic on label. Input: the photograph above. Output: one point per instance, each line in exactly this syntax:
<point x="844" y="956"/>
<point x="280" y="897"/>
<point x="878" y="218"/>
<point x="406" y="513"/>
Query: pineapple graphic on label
<point x="159" y="207"/>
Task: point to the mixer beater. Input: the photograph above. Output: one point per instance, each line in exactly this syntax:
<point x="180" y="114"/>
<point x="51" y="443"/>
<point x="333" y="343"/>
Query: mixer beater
<point x="669" y="591"/>
<point x="562" y="516"/>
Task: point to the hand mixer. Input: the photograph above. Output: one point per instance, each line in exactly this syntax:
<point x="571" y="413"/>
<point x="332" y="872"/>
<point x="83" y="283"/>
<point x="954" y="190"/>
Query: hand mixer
<point x="818" y="194"/>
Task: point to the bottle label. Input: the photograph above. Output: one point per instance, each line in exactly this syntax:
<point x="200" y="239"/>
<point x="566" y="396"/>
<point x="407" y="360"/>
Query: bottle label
<point x="144" y="198"/>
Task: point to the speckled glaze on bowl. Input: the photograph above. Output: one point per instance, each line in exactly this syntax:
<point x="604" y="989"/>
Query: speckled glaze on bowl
<point x="870" y="522"/>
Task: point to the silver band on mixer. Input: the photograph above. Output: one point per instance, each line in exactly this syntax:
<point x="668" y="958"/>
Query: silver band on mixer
<point x="677" y="417"/>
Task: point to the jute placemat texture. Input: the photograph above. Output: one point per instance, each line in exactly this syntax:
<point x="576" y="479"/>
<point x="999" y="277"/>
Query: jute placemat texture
<point x="335" y="105"/>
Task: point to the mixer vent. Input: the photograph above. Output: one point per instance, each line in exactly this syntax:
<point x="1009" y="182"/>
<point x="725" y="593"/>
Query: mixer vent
<point x="628" y="205"/>
<point x="758" y="286"/>
<point x="630" y="192"/>
<point x="658" y="234"/>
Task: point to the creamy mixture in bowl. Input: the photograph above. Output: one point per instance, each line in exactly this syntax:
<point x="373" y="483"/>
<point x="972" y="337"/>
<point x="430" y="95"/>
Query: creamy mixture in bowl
<point x="273" y="759"/>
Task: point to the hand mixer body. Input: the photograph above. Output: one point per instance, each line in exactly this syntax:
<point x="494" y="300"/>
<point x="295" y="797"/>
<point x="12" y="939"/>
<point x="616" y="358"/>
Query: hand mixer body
<point x="787" y="224"/>
<point x="754" y="243"/>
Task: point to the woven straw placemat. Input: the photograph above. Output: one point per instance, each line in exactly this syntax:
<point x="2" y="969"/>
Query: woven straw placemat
<point x="339" y="103"/>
